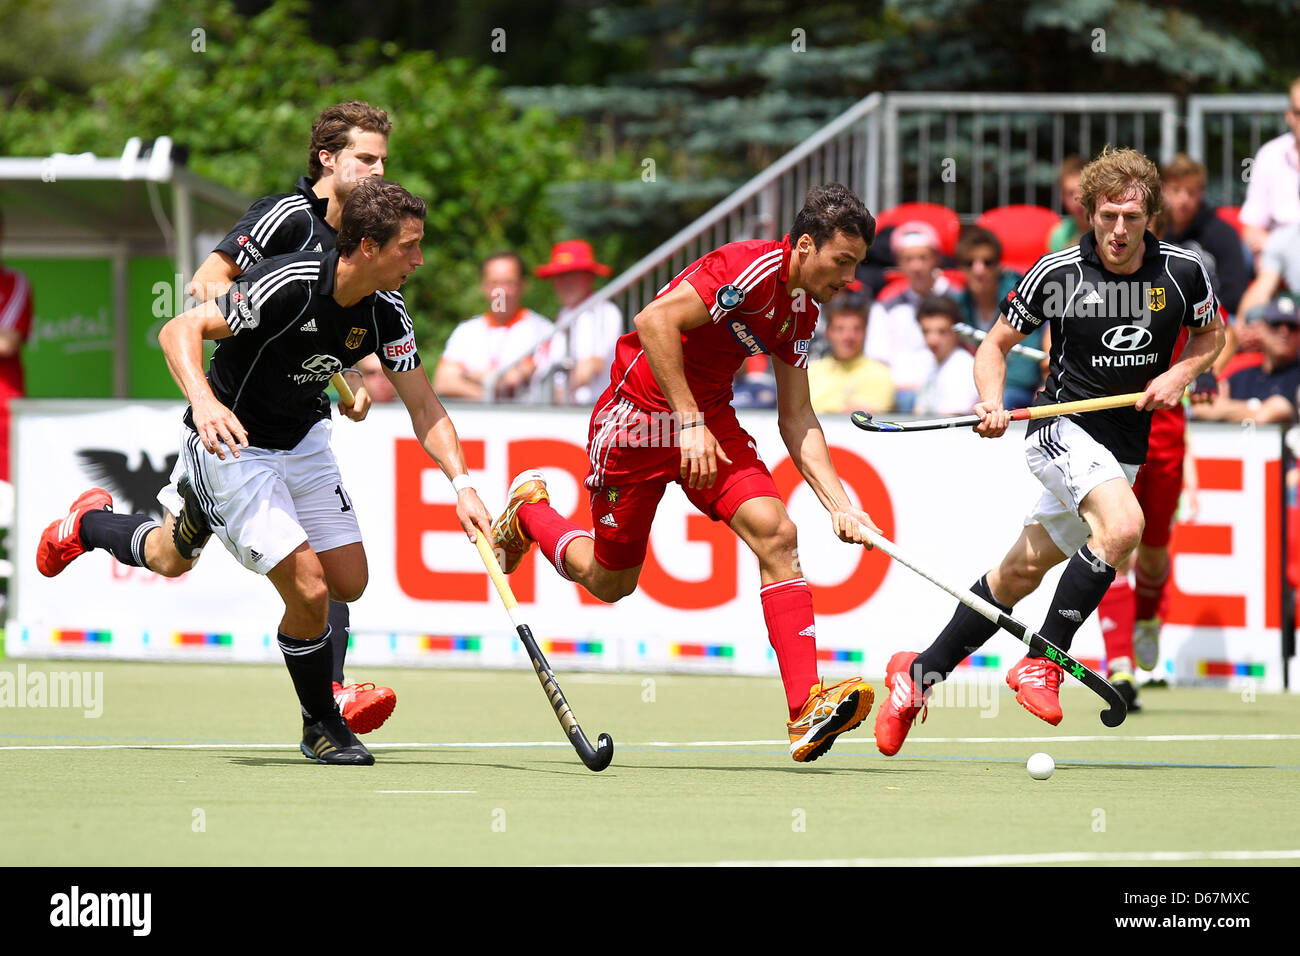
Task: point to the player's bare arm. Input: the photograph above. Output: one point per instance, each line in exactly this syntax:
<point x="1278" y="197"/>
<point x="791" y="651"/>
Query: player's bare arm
<point x="213" y="277"/>
<point x="803" y="436"/>
<point x="182" y="345"/>
<point x="1166" y="390"/>
<point x="434" y="428"/>
<point x="660" y="326"/>
<point x="991" y="378"/>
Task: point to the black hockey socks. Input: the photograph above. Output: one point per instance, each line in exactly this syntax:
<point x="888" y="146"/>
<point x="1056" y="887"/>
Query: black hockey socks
<point x="963" y="636"/>
<point x="309" y="664"/>
<point x="1083" y="584"/>
<point x="123" y="535"/>
<point x="340" y="620"/>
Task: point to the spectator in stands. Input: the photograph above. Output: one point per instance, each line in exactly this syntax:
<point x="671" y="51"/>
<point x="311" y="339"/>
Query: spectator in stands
<point x="893" y="336"/>
<point x="1191" y="223"/>
<point x="15" y="326"/>
<point x="501" y="342"/>
<point x="754" y="385"/>
<point x="979" y="253"/>
<point x="1075" y="223"/>
<point x="587" y="347"/>
<point x="374" y="379"/>
<point x="1273" y="191"/>
<point x="949" y="385"/>
<point x="846" y="380"/>
<point x="1266" y="392"/>
<point x="1278" y="265"/>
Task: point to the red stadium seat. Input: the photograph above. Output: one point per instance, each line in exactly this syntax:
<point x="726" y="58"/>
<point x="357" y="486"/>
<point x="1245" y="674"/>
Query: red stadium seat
<point x="1023" y="232"/>
<point x="892" y="288"/>
<point x="943" y="219"/>
<point x="956" y="277"/>
<point x="896" y="282"/>
<point x="1239" y="361"/>
<point x="1231" y="215"/>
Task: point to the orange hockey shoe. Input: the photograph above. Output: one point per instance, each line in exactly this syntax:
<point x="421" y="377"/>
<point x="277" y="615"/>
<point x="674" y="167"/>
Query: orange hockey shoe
<point x="508" y="538"/>
<point x="828" y="712"/>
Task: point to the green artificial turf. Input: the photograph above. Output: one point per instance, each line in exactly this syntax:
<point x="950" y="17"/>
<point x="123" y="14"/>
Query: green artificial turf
<point x="699" y="776"/>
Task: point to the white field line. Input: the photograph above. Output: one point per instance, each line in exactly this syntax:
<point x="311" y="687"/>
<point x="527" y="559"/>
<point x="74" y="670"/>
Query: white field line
<point x="1019" y="859"/>
<point x="527" y="744"/>
<point x="426" y="791"/>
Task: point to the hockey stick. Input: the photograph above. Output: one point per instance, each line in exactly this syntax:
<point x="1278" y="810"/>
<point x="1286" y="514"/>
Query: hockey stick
<point x="868" y="424"/>
<point x="345" y="392"/>
<point x="970" y="332"/>
<point x="1111" y="717"/>
<point x="596" y="758"/>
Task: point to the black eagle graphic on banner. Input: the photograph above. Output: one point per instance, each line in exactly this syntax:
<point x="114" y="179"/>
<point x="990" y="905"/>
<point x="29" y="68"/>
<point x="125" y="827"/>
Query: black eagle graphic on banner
<point x="134" y="490"/>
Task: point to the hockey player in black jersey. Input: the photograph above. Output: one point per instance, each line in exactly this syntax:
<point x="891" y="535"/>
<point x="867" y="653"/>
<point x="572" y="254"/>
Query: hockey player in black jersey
<point x="1115" y="303"/>
<point x="254" y="441"/>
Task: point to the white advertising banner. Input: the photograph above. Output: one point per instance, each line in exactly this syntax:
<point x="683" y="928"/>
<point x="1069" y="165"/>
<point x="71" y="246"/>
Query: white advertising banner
<point x="952" y="501"/>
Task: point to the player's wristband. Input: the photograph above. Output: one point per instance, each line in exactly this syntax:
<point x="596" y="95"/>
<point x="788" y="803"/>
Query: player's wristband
<point x="461" y="482"/>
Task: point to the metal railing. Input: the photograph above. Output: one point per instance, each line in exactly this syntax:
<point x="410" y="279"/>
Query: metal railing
<point x="1225" y="132"/>
<point x="846" y="150"/>
<point x="967" y="151"/>
<point x="974" y="151"/>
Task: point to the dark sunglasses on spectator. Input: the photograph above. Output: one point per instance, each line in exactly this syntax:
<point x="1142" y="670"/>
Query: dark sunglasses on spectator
<point x="1276" y="326"/>
<point x="989" y="262"/>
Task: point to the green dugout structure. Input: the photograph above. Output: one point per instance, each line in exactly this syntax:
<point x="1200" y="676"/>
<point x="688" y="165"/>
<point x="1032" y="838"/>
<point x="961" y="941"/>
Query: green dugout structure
<point x="108" y="245"/>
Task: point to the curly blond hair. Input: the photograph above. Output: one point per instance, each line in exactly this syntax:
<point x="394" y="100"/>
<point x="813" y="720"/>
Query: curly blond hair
<point x="1117" y="172"/>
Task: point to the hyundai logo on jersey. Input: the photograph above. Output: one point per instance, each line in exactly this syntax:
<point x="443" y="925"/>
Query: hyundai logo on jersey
<point x="1126" y="338"/>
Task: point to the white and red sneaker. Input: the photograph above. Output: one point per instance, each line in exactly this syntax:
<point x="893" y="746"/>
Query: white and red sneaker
<point x="61" y="541"/>
<point x="894" y="718"/>
<point x="364" y="706"/>
<point x="1037" y="683"/>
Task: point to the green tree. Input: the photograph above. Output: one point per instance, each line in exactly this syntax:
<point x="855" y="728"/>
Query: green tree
<point x="714" y="92"/>
<point x="241" y="94"/>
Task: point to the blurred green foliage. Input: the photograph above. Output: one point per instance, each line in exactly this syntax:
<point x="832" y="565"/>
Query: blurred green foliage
<point x="525" y="123"/>
<point x="241" y="94"/>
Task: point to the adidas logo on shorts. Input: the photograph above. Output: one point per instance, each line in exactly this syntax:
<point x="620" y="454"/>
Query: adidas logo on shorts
<point x="809" y="631"/>
<point x="308" y="326"/>
<point x="1071" y="615"/>
<point x="254" y="555"/>
<point x="609" y="520"/>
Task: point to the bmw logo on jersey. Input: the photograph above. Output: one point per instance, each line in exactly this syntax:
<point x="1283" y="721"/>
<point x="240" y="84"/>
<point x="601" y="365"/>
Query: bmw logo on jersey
<point x="729" y="296"/>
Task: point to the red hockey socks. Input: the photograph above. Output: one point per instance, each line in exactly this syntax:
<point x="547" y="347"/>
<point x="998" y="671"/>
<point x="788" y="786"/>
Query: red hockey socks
<point x="1116" y="617"/>
<point x="552" y="533"/>
<point x="788" y="611"/>
<point x="1150" y="592"/>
